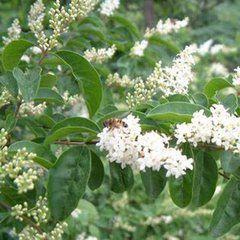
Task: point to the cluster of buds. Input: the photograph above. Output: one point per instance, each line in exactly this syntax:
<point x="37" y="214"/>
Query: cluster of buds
<point x="19" y="210"/>
<point x="5" y="97"/>
<point x="117" y="81"/>
<point x="108" y="7"/>
<point x="29" y="108"/>
<point x="100" y="55"/>
<point x="14" y="32"/>
<point x="60" y="19"/>
<point x="23" y="170"/>
<point x="71" y="100"/>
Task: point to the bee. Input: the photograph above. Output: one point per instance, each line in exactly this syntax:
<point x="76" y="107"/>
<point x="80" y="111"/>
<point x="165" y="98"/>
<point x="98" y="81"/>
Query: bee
<point x="114" y="123"/>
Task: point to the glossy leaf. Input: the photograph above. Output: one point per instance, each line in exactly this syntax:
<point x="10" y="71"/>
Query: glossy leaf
<point x="13" y="52"/>
<point x="88" y="78"/>
<point x="121" y="179"/>
<point x="154" y="182"/>
<point x="48" y="95"/>
<point x="67" y="181"/>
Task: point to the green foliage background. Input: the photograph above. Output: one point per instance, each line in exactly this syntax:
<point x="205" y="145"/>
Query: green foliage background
<point x="101" y="210"/>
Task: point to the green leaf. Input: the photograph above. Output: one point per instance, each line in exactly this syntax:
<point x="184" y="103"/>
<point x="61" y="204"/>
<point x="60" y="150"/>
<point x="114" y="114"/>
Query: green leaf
<point x="28" y="82"/>
<point x="10" y="83"/>
<point x="201" y="99"/>
<point x="70" y="126"/>
<point x="48" y="80"/>
<point x="44" y="156"/>
<point x="87" y="76"/>
<point x="204" y="179"/>
<point x="154" y="182"/>
<point x="215" y="85"/>
<point x="121" y="179"/>
<point x="230" y="161"/>
<point x="13" y="52"/>
<point x="178" y="98"/>
<point x="122" y="20"/>
<point x="227" y="212"/>
<point x="181" y="189"/>
<point x="49" y="96"/>
<point x="67" y="181"/>
<point x="97" y="172"/>
<point x="175" y="111"/>
<point x="230" y="102"/>
<point x="11" y="121"/>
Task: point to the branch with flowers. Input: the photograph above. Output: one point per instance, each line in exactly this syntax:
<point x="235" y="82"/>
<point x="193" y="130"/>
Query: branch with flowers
<point x="65" y="112"/>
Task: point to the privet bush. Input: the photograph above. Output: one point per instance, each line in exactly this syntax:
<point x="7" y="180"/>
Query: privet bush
<point x="66" y="106"/>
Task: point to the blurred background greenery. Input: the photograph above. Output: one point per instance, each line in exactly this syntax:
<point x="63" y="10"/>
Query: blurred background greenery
<point x="132" y="215"/>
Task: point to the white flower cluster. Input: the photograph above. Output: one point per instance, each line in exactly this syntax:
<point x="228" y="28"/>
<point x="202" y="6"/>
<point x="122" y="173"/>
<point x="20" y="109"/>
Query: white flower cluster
<point x="118" y="222"/>
<point x="117" y="81"/>
<point x="100" y="55"/>
<point x="3" y="137"/>
<point x="221" y="129"/>
<point x="39" y="213"/>
<point x="152" y="221"/>
<point x="71" y="100"/>
<point x="167" y="27"/>
<point x="5" y="97"/>
<point x="169" y="80"/>
<point x="33" y="234"/>
<point x="14" y="32"/>
<point x="126" y="145"/>
<point x="60" y="19"/>
<point x="208" y="48"/>
<point x="108" y="7"/>
<point x="139" y="48"/>
<point x="236" y="77"/>
<point x="23" y="170"/>
<point x="29" y="108"/>
<point x="217" y="69"/>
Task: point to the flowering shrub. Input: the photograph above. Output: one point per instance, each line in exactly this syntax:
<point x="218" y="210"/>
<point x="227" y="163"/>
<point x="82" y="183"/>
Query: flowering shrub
<point x="68" y="109"/>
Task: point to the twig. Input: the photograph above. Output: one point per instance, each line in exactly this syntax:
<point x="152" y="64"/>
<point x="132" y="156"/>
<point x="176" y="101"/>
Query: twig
<point x="65" y="142"/>
<point x="224" y="175"/>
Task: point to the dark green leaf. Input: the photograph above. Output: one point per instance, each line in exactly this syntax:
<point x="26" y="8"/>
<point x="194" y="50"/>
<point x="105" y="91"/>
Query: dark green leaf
<point x="28" y="82"/>
<point x="87" y="76"/>
<point x="201" y="99"/>
<point x="121" y="179"/>
<point x="97" y="172"/>
<point x="13" y="52"/>
<point x="204" y="179"/>
<point x="154" y="182"/>
<point x="181" y="189"/>
<point x="227" y="212"/>
<point x="11" y="121"/>
<point x="67" y="181"/>
<point x="178" y="98"/>
<point x="230" y="103"/>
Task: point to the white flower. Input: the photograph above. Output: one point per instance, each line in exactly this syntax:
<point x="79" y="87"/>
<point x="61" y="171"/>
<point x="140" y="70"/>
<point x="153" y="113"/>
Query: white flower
<point x="25" y="58"/>
<point x="14" y="32"/>
<point x="120" y="143"/>
<point x="36" y="50"/>
<point x="139" y="48"/>
<point x="221" y="129"/>
<point x="218" y="69"/>
<point x="204" y="48"/>
<point x="236" y="77"/>
<point x="100" y="55"/>
<point x="167" y="27"/>
<point x="109" y="6"/>
<point x="29" y="108"/>
<point x="126" y="145"/>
